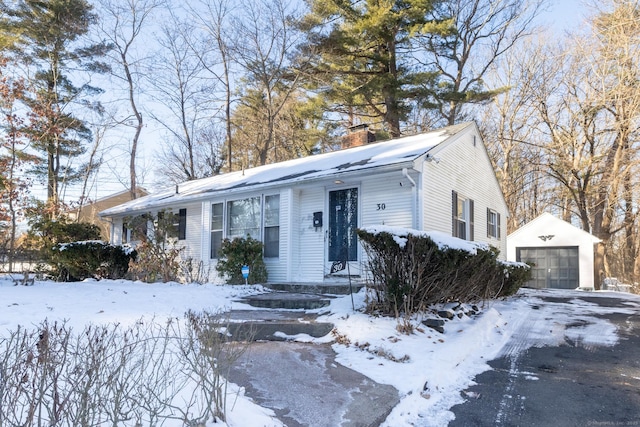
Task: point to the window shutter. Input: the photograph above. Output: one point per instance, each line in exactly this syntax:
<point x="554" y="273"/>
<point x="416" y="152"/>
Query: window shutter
<point x="182" y="224"/>
<point x="470" y="219"/>
<point x="498" y="225"/>
<point x="488" y="222"/>
<point x="454" y="214"/>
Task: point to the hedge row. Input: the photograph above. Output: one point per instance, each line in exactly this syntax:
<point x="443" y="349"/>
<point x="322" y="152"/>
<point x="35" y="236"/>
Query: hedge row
<point x="412" y="270"/>
<point x="90" y="259"/>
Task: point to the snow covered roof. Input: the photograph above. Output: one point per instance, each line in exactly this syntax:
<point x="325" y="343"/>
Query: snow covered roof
<point x="375" y="155"/>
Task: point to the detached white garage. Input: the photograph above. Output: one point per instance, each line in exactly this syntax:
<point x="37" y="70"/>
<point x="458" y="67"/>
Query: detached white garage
<point x="561" y="254"/>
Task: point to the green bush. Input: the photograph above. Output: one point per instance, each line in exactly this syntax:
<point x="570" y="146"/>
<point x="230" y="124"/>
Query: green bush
<point x="90" y="259"/>
<point x="411" y="272"/>
<point x="46" y="233"/>
<point x="515" y="276"/>
<point x="238" y="252"/>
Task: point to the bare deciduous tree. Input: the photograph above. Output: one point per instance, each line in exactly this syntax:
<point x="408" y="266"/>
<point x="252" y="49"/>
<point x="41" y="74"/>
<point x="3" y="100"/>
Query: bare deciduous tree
<point x="590" y="112"/>
<point x="509" y="126"/>
<point x="181" y="87"/>
<point x="214" y="52"/>
<point x="270" y="80"/>
<point x="481" y="32"/>
<point x="123" y="24"/>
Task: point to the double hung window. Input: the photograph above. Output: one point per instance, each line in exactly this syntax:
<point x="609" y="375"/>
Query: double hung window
<point x="493" y="224"/>
<point x="256" y="217"/>
<point x="244" y="218"/>
<point x="271" y="238"/>
<point x="217" y="227"/>
<point x="462" y="217"/>
<point x="182" y="224"/>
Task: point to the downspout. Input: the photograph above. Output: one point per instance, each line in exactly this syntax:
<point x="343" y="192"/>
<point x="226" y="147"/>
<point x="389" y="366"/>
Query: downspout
<point x="414" y="198"/>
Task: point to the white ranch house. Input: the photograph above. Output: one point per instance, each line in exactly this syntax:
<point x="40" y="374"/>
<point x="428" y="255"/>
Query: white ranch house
<point x="305" y="210"/>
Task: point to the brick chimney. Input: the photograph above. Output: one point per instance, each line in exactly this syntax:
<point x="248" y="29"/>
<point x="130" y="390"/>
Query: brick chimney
<point x="358" y="135"/>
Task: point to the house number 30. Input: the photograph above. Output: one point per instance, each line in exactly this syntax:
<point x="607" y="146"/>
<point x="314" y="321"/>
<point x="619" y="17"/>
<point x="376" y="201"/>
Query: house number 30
<point x="381" y="207"/>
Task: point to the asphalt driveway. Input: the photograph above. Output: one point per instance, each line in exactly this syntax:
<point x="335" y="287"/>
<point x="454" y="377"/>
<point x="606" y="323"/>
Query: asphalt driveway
<point x="573" y="384"/>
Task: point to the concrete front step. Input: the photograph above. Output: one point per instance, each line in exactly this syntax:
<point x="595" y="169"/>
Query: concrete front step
<point x="288" y="301"/>
<point x="276" y="331"/>
<point x="268" y="325"/>
<point x="341" y="288"/>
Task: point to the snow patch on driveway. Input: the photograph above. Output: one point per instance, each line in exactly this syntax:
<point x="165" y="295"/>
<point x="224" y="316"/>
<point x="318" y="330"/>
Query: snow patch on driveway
<point x="438" y="367"/>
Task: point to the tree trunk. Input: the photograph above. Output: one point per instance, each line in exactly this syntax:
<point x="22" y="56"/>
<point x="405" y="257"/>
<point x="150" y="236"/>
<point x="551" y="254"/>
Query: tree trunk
<point x="134" y="143"/>
<point x="598" y="265"/>
<point x="392" y="115"/>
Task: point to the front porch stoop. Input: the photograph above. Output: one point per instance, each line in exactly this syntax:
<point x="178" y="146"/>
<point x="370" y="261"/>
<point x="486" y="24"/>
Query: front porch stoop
<point x="281" y="316"/>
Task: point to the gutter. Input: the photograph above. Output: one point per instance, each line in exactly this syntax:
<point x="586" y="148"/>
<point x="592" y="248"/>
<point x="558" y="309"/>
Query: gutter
<point x="169" y="199"/>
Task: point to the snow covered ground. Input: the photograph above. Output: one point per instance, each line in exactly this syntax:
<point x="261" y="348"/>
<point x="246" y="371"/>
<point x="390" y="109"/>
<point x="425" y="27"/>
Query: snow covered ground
<point x="429" y="369"/>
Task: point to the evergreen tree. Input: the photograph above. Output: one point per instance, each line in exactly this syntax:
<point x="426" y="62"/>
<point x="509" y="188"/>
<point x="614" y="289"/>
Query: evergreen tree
<point x="49" y="42"/>
<point x="362" y="56"/>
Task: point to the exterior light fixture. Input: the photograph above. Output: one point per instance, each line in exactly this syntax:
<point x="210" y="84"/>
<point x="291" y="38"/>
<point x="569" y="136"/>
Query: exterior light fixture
<point x="431" y="158"/>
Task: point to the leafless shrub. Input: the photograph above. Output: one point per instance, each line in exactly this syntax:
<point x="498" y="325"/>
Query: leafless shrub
<point x="145" y="374"/>
<point x="193" y="271"/>
<point x="209" y="355"/>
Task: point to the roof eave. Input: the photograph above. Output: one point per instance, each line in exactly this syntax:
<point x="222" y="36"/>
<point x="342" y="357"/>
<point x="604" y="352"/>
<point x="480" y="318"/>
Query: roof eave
<point x="171" y="201"/>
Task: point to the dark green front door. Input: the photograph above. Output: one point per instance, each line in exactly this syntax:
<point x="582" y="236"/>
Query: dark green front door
<point x="343" y="221"/>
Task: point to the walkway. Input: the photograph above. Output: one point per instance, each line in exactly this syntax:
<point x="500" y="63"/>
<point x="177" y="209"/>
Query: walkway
<point x="302" y="383"/>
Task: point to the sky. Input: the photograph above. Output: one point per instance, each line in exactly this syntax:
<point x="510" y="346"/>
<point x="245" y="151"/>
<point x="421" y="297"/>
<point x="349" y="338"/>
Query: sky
<point x="448" y="362"/>
<point x="565" y="14"/>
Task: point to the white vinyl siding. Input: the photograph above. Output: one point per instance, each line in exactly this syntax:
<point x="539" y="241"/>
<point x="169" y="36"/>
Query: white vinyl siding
<point x="291" y="224"/>
<point x="466" y="169"/>
<point x="193" y="229"/>
<point x="387" y="200"/>
<point x="308" y="260"/>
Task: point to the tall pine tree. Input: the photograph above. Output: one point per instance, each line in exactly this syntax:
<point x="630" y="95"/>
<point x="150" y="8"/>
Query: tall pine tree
<point x="362" y="56"/>
<point x="49" y="42"/>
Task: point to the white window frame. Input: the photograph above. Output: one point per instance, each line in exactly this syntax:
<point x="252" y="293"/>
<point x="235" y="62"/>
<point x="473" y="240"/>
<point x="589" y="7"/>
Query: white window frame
<point x="493" y="224"/>
<point x="255" y="223"/>
<point x="263" y="224"/>
<point x="462" y="216"/>
<point x="220" y="229"/>
<point x="270" y="224"/>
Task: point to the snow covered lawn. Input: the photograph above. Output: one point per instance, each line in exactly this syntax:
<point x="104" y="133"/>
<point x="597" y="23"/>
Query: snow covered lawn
<point x="429" y="369"/>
